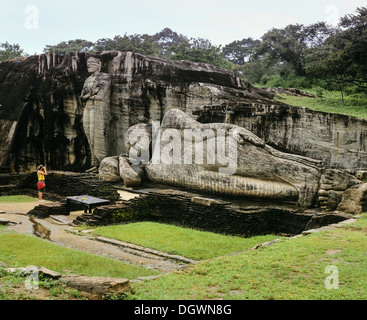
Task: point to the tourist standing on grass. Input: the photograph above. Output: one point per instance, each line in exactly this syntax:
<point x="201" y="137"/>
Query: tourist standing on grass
<point x="41" y="173"/>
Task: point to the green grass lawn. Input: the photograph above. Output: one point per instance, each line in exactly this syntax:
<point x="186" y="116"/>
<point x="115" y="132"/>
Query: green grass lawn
<point x="194" y="244"/>
<point x="291" y="270"/>
<point x="16" y="199"/>
<point x="17" y="250"/>
<point x="331" y="102"/>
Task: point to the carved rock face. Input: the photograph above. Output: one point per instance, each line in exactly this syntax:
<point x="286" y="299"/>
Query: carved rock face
<point x="41" y="113"/>
<point x="94" y="65"/>
<point x="229" y="160"/>
<point x="96" y="116"/>
<point x="109" y="169"/>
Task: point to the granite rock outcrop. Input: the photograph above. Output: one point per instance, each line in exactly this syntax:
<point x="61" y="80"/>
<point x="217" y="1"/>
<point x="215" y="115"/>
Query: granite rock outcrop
<point x="46" y="99"/>
<point x="339" y="141"/>
<point x="71" y="112"/>
<point x="46" y="113"/>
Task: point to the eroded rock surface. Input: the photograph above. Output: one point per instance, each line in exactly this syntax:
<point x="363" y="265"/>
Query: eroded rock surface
<point x="339" y="141"/>
<point x="226" y="159"/>
<point x="354" y="200"/>
<point x="96" y="116"/>
<point x="97" y="285"/>
<point x="49" y="103"/>
<point x="259" y="171"/>
<point x="71" y="112"/>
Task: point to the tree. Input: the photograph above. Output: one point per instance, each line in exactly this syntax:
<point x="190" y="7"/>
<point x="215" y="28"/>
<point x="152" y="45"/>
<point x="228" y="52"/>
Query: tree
<point x="143" y="44"/>
<point x="354" y="36"/>
<point x="292" y="43"/>
<point x="166" y="43"/>
<point x="9" y="51"/>
<point x="342" y="59"/>
<point x="331" y="64"/>
<point x="166" y="39"/>
<point x="241" y="51"/>
<point x="65" y="47"/>
<point x="105" y="44"/>
<point x="252" y="71"/>
<point x="200" y="50"/>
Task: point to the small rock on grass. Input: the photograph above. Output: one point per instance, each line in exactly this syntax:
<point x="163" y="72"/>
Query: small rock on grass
<point x="5" y="222"/>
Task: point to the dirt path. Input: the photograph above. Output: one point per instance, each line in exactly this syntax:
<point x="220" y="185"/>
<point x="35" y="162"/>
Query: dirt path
<point x="18" y="207"/>
<point x="58" y="230"/>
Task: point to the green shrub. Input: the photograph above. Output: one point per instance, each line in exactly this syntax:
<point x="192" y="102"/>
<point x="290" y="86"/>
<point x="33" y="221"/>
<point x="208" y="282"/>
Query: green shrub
<point x="289" y="81"/>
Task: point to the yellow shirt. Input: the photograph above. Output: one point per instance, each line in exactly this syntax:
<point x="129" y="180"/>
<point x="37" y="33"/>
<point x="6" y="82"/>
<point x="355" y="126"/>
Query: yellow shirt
<point x="41" y="177"/>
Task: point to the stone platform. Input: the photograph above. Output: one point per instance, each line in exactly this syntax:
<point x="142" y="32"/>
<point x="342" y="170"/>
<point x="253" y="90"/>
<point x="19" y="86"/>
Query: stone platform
<point x="211" y="214"/>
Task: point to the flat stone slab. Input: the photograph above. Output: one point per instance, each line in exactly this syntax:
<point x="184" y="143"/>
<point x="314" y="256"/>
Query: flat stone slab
<point x="97" y="285"/>
<point x="49" y="273"/>
<point x="207" y="201"/>
<point x="67" y="220"/>
<point x="5" y="222"/>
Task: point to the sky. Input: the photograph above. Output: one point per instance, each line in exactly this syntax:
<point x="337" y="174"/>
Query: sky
<point x="33" y="24"/>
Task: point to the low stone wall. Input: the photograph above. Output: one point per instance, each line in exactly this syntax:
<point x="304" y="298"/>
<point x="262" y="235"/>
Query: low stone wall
<point x="11" y="178"/>
<point x="10" y="183"/>
<point x="66" y="184"/>
<point x="48" y="209"/>
<point x="194" y="211"/>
